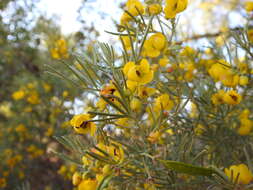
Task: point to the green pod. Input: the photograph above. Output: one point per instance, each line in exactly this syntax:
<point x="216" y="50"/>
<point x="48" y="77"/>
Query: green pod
<point x="182" y="167"/>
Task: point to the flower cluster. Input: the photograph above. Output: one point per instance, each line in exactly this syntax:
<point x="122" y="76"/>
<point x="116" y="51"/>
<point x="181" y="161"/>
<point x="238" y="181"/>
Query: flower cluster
<point x="162" y="111"/>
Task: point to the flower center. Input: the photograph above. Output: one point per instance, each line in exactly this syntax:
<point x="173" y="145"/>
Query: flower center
<point x="234" y="97"/>
<point x="84" y="124"/>
<point x="138" y="73"/>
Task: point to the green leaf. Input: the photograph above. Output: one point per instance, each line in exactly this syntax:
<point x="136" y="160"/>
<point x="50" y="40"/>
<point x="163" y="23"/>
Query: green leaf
<point x="104" y="183"/>
<point x="187" y="168"/>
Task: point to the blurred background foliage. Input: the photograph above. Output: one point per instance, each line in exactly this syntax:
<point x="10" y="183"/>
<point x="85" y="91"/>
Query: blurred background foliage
<point x="34" y="105"/>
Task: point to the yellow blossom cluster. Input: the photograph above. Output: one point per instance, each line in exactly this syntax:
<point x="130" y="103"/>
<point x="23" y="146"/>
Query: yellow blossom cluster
<point x="161" y="111"/>
<point x="60" y="50"/>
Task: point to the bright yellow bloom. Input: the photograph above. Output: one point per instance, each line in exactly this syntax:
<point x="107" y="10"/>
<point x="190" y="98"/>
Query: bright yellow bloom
<point x="188" y="51"/>
<point x="18" y="95"/>
<point x="88" y="184"/>
<point x="101" y="104"/>
<point x="246" y="124"/>
<point x="82" y="125"/>
<point x="229" y="79"/>
<point x="173" y="7"/>
<point x="154" y="9"/>
<point x="163" y="61"/>
<point x="154" y="136"/>
<point x="125" y="18"/>
<point x="135" y="105"/>
<point x="76" y="178"/>
<point x="115" y="151"/>
<point x="154" y="45"/>
<point x="243" y="130"/>
<point x="243" y="80"/>
<point x="33" y="97"/>
<point x="217" y="70"/>
<point x="222" y="72"/>
<point x="244" y="114"/>
<point x="65" y="93"/>
<point x="60" y="50"/>
<point x="142" y="74"/>
<point x="217" y="98"/>
<point x="135" y="7"/>
<point x="127" y="42"/>
<point x="249" y="6"/>
<point x="245" y="175"/>
<point x="145" y="92"/>
<point x="132" y="85"/>
<point x="163" y="102"/>
<point x="232" y="97"/>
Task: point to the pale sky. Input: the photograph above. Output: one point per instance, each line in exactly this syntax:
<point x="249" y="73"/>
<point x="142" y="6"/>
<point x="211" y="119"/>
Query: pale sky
<point x="67" y="11"/>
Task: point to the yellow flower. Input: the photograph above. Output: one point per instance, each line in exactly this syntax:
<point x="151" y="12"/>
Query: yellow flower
<point x="142" y="74"/>
<point x="163" y="61"/>
<point x="33" y="98"/>
<point x="47" y="87"/>
<point x="115" y="151"/>
<point x="244" y="114"/>
<point x="217" y="98"/>
<point x="199" y="129"/>
<point x="18" y="95"/>
<point x="188" y="51"/>
<point x="5" y="109"/>
<point x="154" y="45"/>
<point x="163" y="102"/>
<point x="218" y="70"/>
<point x="173" y="7"/>
<point x="49" y="132"/>
<point x="194" y="110"/>
<point x="243" y="80"/>
<point x="229" y="79"/>
<point x="76" y="178"/>
<point x="60" y="50"/>
<point x="88" y="184"/>
<point x="65" y="93"/>
<point x="135" y="104"/>
<point x="245" y="175"/>
<point x="135" y="7"/>
<point x="21" y="128"/>
<point x="222" y="72"/>
<point x="82" y="125"/>
<point x="131" y="85"/>
<point x="249" y="6"/>
<point x="250" y="35"/>
<point x="245" y="127"/>
<point x="154" y="136"/>
<point x="232" y="97"/>
<point x="154" y="9"/>
<point x="243" y="130"/>
<point x="145" y="92"/>
<point x="3" y="183"/>
<point x="127" y="42"/>
<point x="101" y="104"/>
<point x="149" y="186"/>
<point x="125" y="18"/>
